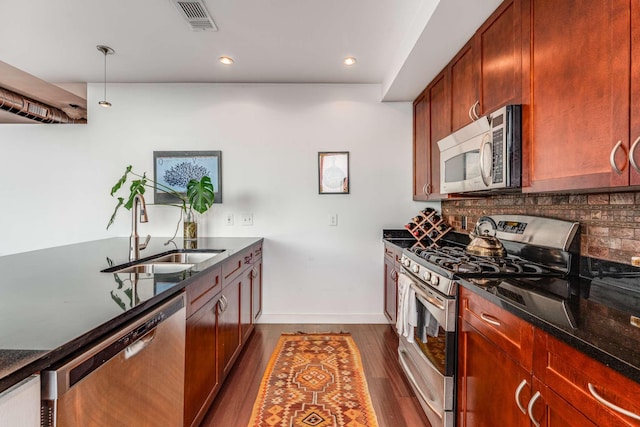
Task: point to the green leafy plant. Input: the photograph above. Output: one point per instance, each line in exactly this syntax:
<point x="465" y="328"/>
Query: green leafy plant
<point x="199" y="197"/>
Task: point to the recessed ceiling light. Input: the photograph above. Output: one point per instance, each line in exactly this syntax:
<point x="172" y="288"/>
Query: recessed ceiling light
<point x="226" y="60"/>
<point x="349" y="60"/>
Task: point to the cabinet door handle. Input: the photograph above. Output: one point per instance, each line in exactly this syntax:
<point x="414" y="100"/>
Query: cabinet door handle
<point x="473" y="115"/>
<point x="610" y="405"/>
<point x="254" y="273"/>
<point x="530" y="408"/>
<point x="225" y="304"/>
<point x="518" y="391"/>
<point x="486" y="141"/>
<point x="632" y="153"/>
<point x="426" y="189"/>
<point x="394" y="274"/>
<point x="612" y="158"/>
<point x="490" y="319"/>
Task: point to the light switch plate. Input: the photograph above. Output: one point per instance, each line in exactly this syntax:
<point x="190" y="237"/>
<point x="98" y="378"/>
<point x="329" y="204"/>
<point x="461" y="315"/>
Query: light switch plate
<point x="247" y="219"/>
<point x="333" y="220"/>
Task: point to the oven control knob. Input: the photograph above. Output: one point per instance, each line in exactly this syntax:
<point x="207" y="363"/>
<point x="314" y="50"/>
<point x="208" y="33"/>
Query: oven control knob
<point x="426" y="276"/>
<point x="435" y="280"/>
<point x="407" y="262"/>
<point x="415" y="268"/>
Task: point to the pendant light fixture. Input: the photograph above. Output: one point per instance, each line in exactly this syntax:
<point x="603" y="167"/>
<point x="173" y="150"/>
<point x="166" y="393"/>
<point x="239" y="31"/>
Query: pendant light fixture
<point x="106" y="50"/>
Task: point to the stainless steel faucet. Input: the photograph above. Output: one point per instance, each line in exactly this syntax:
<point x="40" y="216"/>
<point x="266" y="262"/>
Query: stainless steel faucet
<point x="134" y="241"/>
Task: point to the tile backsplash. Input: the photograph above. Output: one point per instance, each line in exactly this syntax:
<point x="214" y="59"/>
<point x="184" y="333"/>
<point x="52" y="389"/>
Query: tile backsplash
<point x="609" y="223"/>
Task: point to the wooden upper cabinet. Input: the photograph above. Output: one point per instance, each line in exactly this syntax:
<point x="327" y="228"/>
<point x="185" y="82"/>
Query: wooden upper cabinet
<point x="464" y="86"/>
<point x="498" y="45"/>
<point x="580" y="67"/>
<point x="432" y="122"/>
<point x="421" y="152"/>
<point x="635" y="93"/>
<point x="440" y="113"/>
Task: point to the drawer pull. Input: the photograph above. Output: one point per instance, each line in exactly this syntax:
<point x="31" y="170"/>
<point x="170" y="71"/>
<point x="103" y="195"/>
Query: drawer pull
<point x="610" y="405"/>
<point x="518" y="391"/>
<point x="530" y="408"/>
<point x="490" y="319"/>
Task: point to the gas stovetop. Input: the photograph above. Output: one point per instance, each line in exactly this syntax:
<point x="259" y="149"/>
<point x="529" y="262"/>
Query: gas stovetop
<point x="536" y="248"/>
<point x="457" y="261"/>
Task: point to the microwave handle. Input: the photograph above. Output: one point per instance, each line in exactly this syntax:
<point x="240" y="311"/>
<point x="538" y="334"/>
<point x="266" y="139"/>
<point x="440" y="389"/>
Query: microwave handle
<point x="486" y="140"/>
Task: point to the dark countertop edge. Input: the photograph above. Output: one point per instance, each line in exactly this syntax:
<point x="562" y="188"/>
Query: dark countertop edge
<point x="624" y="368"/>
<point x="49" y="358"/>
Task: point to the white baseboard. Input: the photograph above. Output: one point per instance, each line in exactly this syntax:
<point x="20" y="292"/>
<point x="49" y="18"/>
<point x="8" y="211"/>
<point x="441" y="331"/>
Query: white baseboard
<point x="364" y="318"/>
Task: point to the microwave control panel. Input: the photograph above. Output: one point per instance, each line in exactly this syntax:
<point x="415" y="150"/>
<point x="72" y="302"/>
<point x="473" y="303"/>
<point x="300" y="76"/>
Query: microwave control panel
<point x="498" y="155"/>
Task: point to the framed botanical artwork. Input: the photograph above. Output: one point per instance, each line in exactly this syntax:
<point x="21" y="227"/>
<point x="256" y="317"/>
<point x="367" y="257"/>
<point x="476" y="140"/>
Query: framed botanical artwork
<point x="333" y="172"/>
<point x="174" y="169"/>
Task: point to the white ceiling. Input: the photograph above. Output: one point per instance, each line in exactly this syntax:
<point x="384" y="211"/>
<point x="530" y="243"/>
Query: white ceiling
<point x="400" y="44"/>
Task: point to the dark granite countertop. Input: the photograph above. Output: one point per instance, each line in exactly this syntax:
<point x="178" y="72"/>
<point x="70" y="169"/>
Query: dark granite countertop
<point x="401" y="238"/>
<point x="594" y="316"/>
<point x="55" y="301"/>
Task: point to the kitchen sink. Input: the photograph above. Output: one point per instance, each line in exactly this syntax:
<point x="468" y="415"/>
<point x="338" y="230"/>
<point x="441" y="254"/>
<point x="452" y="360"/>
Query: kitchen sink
<point x="159" y="268"/>
<point x="184" y="258"/>
<point x="173" y="262"/>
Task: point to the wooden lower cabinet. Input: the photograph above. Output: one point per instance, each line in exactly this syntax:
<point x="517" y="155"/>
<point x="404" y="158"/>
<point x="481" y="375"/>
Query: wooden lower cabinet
<point x="256" y="289"/>
<point x="551" y="410"/>
<point x="392" y="256"/>
<point x="487" y="382"/>
<point x="202" y="375"/>
<point x="229" y="326"/>
<point x="390" y="291"/>
<point x="246" y="318"/>
<point x="586" y="384"/>
<point x="221" y="307"/>
<point x="510" y="377"/>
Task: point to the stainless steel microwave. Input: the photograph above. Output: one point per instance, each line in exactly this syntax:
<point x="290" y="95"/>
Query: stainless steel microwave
<point x="484" y="156"/>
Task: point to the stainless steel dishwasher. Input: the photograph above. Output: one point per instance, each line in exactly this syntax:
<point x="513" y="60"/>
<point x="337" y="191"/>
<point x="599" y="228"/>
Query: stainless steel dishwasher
<point x="135" y="377"/>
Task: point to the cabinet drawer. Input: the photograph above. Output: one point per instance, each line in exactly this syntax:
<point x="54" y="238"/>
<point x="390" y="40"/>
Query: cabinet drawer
<point x="235" y="265"/>
<point x="570" y="373"/>
<point x="257" y="251"/>
<point x="510" y="333"/>
<point x="389" y="252"/>
<point x="203" y="289"/>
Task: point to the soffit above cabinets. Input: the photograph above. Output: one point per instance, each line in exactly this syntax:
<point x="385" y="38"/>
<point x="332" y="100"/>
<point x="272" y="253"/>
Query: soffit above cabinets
<point x="70" y="98"/>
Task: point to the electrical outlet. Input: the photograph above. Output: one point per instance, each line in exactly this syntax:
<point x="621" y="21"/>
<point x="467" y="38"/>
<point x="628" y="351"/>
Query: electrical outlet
<point x="247" y="219"/>
<point x="333" y="220"/>
<point x="228" y="220"/>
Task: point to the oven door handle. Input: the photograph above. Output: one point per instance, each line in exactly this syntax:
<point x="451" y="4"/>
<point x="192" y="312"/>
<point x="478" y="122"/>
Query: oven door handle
<point x="428" y="299"/>
<point x="407" y="371"/>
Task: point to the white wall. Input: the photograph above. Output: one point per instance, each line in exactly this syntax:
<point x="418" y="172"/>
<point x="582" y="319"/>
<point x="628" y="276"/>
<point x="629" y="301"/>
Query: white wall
<point x="55" y="180"/>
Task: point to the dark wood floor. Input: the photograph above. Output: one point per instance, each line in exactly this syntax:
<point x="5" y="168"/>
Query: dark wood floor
<point x="392" y="398"/>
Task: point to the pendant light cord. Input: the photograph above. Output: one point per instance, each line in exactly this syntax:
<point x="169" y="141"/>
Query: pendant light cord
<point x="105" y="75"/>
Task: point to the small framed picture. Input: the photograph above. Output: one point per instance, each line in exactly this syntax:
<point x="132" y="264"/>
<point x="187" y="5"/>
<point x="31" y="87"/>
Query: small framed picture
<point x="333" y="172"/>
<point x="174" y="169"/>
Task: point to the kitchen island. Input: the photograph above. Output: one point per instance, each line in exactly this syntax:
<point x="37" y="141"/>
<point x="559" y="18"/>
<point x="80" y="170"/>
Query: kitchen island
<point x="56" y="301"/>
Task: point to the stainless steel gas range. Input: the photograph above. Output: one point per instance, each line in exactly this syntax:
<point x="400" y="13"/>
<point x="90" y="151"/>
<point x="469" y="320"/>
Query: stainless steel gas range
<point x="538" y="249"/>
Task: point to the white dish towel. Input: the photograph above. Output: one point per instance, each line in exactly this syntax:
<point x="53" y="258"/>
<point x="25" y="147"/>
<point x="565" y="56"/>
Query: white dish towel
<point x="407" y="316"/>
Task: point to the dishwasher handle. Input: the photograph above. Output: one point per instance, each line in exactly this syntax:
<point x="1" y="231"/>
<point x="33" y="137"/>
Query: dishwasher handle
<point x="131" y="339"/>
<point x="139" y="345"/>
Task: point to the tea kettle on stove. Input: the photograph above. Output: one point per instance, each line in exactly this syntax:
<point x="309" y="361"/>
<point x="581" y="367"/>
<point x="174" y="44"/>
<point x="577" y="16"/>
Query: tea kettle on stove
<point x="482" y="242"/>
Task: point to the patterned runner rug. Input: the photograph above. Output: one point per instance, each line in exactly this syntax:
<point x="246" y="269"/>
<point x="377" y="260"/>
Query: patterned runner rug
<point x="314" y="380"/>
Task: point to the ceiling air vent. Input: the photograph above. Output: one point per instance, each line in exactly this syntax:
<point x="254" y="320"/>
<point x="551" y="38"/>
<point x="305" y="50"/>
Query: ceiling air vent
<point x="196" y="15"/>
